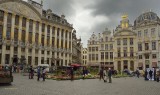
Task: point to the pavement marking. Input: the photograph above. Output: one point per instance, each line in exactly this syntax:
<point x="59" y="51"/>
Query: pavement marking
<point x="11" y="88"/>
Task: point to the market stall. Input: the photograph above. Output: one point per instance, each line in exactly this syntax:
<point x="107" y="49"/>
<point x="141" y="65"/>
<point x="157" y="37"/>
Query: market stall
<point x="6" y="74"/>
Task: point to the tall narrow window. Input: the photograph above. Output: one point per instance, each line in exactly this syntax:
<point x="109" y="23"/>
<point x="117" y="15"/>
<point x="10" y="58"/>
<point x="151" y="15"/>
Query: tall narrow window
<point x="1" y="29"/>
<point x="131" y="52"/>
<point x="30" y="37"/>
<point x="23" y="36"/>
<point x="102" y="46"/>
<point x="106" y="39"/>
<point x="125" y="51"/>
<point x="131" y="41"/>
<point x="102" y="55"/>
<point x="43" y="27"/>
<point x="106" y="55"/>
<point x="53" y="31"/>
<point x="36" y="38"/>
<point x="37" y="26"/>
<point x="48" y="30"/>
<point x="62" y="33"/>
<point x="1" y="15"/>
<point x="124" y="41"/>
<point x="118" y="41"/>
<point x="58" y="32"/>
<point x="153" y="32"/>
<point x="42" y="40"/>
<point x="106" y="46"/>
<point x="15" y="34"/>
<point x="24" y="22"/>
<point x="17" y="20"/>
<point x="9" y="21"/>
<point x="119" y="52"/>
<point x="48" y="40"/>
<point x="31" y="26"/>
<point x="111" y="46"/>
<point x="153" y="45"/>
<point x="139" y="33"/>
<point x="146" y="46"/>
<point x="89" y="57"/>
<point x="146" y="33"/>
<point x="139" y="47"/>
<point x="111" y="55"/>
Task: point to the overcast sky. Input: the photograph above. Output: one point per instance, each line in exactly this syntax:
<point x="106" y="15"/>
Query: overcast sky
<point x="88" y="16"/>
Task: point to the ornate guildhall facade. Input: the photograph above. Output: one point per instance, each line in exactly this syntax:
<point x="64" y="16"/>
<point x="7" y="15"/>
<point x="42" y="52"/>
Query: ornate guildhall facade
<point x="129" y="46"/>
<point x="32" y="35"/>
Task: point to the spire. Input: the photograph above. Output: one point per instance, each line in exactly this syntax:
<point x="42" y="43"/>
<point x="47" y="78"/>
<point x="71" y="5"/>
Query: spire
<point x="42" y="2"/>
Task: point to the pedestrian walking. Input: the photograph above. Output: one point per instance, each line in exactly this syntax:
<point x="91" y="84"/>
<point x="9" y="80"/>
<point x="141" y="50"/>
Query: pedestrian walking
<point x="158" y="75"/>
<point x="101" y="74"/>
<point x="44" y="74"/>
<point x="72" y="74"/>
<point x="105" y="75"/>
<point x="137" y="72"/>
<point x="150" y="74"/>
<point x="38" y="73"/>
<point x="84" y="72"/>
<point x="145" y="75"/>
<point x="110" y="75"/>
<point x="31" y="72"/>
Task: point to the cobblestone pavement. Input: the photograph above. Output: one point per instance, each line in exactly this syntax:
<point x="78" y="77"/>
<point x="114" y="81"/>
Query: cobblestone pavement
<point x="120" y="86"/>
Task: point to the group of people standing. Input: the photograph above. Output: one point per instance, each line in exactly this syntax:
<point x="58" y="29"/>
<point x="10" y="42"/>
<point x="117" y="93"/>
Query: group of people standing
<point x="103" y="74"/>
<point x="41" y="72"/>
<point x="152" y="74"/>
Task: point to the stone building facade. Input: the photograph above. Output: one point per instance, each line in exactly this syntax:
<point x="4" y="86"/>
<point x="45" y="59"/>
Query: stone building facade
<point x="31" y="35"/>
<point x="76" y="49"/>
<point x="84" y="55"/>
<point x="134" y="46"/>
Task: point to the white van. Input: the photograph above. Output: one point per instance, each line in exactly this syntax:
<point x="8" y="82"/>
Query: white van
<point x="46" y="66"/>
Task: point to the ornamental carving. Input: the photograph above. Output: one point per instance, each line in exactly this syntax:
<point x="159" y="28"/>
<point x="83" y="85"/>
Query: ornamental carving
<point x="19" y="8"/>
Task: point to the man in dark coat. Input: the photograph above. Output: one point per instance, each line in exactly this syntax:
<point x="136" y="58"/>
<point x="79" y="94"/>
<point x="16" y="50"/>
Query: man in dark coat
<point x="110" y="75"/>
<point x="72" y="73"/>
<point x="150" y="74"/>
<point x="101" y="74"/>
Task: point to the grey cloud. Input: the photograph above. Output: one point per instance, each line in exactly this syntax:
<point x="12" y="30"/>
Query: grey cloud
<point x="59" y="6"/>
<point x="132" y="7"/>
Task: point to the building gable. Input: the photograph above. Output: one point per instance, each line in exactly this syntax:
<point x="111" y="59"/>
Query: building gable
<point x="20" y="8"/>
<point x="125" y="33"/>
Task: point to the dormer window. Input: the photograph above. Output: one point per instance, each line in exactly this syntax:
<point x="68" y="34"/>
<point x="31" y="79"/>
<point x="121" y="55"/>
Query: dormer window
<point x="48" y="17"/>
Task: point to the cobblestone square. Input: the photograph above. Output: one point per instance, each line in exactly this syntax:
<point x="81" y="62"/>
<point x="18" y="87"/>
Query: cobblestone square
<point x="120" y="86"/>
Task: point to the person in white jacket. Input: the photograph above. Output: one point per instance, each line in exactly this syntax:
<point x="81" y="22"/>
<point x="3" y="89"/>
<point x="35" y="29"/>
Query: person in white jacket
<point x="105" y="75"/>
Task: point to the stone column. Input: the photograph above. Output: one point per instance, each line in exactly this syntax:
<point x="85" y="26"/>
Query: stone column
<point x="4" y="38"/>
<point x="55" y="44"/>
<point x="33" y="43"/>
<point x="19" y="36"/>
<point x="129" y="64"/>
<point x="45" y="44"/>
<point x="68" y="58"/>
<point x="50" y="56"/>
<point x="64" y="54"/>
<point x="122" y="65"/>
<point x="71" y="46"/>
<point x="39" y="42"/>
<point x="12" y="39"/>
<point x="115" y="65"/>
<point x="27" y="40"/>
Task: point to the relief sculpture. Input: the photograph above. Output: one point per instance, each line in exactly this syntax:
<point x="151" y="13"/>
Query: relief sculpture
<point x="21" y="9"/>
